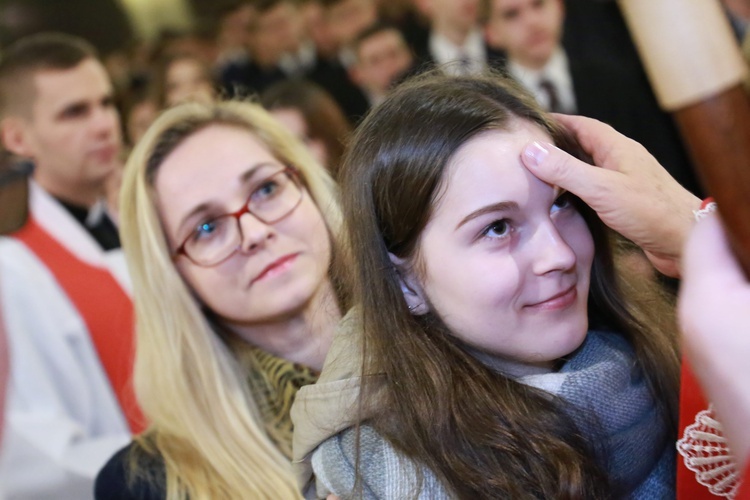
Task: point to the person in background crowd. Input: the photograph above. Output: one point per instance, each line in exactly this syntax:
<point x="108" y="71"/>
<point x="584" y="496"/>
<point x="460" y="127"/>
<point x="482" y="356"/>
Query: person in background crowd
<point x="345" y="20"/>
<point x="280" y="49"/>
<point x="139" y="110"/>
<point x="382" y="58"/>
<point x="65" y="290"/>
<point x="313" y="116"/>
<point x="318" y="30"/>
<point x="234" y="25"/>
<point x="180" y="78"/>
<point x="456" y="41"/>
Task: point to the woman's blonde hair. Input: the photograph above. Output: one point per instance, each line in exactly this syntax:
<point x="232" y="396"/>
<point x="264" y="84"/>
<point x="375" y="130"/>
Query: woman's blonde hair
<point x="202" y="418"/>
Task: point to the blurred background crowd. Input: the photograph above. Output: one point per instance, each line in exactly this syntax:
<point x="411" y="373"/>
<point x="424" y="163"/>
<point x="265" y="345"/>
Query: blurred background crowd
<point x="321" y="64"/>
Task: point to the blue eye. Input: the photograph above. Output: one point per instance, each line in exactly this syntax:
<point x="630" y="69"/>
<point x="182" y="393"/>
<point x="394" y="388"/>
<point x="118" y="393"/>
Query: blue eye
<point x="204" y="230"/>
<point x="497" y="229"/>
<point x="266" y="190"/>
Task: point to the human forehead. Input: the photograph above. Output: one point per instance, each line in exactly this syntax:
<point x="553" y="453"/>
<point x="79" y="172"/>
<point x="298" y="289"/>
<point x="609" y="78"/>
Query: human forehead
<point x="213" y="158"/>
<point x="57" y="88"/>
<point x="503" y="6"/>
<point x="379" y="42"/>
<point x="489" y="167"/>
<point x="185" y="65"/>
<point x="498" y="7"/>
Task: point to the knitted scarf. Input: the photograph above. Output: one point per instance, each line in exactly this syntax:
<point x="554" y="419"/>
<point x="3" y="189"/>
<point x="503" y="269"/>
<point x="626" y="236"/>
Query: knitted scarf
<point x="611" y="403"/>
<point x="274" y="383"/>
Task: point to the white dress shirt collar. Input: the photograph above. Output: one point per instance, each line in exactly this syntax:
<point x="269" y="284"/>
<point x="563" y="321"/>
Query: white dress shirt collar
<point x="473" y="52"/>
<point x="556" y="71"/>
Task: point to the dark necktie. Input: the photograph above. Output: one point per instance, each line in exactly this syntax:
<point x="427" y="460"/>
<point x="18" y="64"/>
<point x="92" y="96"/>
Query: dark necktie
<point x="464" y="64"/>
<point x="552" y="97"/>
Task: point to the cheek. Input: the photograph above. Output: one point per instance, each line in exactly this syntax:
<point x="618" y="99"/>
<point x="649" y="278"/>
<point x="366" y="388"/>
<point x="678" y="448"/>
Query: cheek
<point x="204" y="284"/>
<point x="310" y="228"/>
<point x="470" y="282"/>
<point x="582" y="242"/>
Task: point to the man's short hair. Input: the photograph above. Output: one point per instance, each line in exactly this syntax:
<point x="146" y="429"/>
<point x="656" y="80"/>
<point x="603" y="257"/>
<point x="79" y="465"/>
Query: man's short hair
<point x="30" y="55"/>
<point x="375" y="29"/>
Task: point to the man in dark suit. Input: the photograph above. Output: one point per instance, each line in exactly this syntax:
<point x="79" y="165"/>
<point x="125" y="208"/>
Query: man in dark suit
<point x="280" y="50"/>
<point x="455" y="39"/>
<point x="345" y="19"/>
<point x="530" y="32"/>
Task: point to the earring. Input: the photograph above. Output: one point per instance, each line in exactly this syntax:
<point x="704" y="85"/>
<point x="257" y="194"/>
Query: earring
<point x="411" y="308"/>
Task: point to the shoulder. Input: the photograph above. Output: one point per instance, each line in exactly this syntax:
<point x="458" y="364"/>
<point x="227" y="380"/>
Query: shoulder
<point x="131" y="473"/>
<point x="384" y="472"/>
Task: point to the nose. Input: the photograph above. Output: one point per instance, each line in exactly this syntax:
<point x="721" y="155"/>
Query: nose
<point x="253" y="232"/>
<point x="104" y="121"/>
<point x="551" y="252"/>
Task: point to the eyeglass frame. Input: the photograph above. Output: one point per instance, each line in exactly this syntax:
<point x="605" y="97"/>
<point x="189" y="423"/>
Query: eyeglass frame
<point x="290" y="172"/>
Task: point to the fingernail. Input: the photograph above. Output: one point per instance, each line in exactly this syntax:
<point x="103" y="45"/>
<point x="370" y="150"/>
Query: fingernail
<point x="535" y="153"/>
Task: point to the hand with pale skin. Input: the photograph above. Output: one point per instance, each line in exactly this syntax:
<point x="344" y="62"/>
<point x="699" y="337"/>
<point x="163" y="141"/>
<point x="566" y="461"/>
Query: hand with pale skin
<point x="629" y="190"/>
<point x="714" y="314"/>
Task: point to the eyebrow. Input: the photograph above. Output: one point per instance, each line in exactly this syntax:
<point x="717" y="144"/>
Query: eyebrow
<point x="503" y="206"/>
<point x="244" y="178"/>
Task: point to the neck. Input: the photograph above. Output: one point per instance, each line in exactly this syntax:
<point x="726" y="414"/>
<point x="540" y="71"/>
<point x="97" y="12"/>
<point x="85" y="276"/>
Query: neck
<point x="303" y="337"/>
<point x="510" y="367"/>
<point x="84" y="195"/>
<point x="456" y="34"/>
<point x="532" y="64"/>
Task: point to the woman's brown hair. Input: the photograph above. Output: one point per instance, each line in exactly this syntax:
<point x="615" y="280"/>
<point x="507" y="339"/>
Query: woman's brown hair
<point x="323" y="117"/>
<point x="484" y="434"/>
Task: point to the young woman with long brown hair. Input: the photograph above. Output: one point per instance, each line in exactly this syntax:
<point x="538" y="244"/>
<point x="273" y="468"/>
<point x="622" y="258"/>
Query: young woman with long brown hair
<point x="495" y="352"/>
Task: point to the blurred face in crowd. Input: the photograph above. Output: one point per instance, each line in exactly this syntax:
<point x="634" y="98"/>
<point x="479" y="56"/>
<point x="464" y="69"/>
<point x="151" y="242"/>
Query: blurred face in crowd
<point x="71" y="132"/>
<point x="460" y="15"/>
<point x="295" y="122"/>
<point x="235" y="27"/>
<point x="278" y="30"/>
<point x="139" y="119"/>
<point x="381" y="59"/>
<point x="528" y="30"/>
<point x="187" y="79"/>
<point x="348" y="18"/>
<point x="317" y="28"/>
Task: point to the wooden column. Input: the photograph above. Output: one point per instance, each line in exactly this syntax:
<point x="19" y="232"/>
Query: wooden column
<point x="696" y="69"/>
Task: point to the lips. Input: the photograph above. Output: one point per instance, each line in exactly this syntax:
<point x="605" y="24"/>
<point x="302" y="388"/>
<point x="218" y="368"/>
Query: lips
<point x="275" y="267"/>
<point x="105" y="153"/>
<point x="560" y="300"/>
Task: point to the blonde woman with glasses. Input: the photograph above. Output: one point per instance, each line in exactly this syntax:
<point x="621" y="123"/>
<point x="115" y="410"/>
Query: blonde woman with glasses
<point x="230" y="229"/>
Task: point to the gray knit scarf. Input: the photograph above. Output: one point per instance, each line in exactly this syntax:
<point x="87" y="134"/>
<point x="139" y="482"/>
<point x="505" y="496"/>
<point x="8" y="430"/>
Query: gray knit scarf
<point x="611" y="403"/>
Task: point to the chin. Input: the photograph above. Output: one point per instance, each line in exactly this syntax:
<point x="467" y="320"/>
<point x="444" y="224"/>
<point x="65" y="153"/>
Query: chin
<point x="573" y="339"/>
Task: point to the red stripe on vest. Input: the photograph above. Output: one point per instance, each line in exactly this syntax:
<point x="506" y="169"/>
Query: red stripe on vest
<point x="105" y="308"/>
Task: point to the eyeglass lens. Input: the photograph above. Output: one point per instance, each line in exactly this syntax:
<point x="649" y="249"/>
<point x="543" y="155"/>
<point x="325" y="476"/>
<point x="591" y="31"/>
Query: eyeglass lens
<point x="270" y="199"/>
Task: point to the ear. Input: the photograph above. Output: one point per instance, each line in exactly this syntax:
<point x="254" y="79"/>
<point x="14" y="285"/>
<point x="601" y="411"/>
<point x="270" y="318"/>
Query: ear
<point x="410" y="287"/>
<point x="14" y="136"/>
